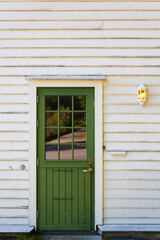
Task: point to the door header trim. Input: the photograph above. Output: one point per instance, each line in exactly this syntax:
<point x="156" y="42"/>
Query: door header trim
<point x="68" y="77"/>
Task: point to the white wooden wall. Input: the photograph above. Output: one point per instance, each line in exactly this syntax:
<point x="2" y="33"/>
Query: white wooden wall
<point x="117" y="39"/>
<point x="131" y="182"/>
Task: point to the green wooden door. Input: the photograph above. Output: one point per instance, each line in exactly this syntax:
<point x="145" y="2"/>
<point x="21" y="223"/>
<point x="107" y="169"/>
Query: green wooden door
<point x="65" y="150"/>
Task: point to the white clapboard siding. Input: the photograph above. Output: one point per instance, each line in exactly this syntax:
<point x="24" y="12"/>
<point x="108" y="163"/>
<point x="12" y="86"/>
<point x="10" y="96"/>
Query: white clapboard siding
<point x="14" y="99"/>
<point x="79" y="15"/>
<point x="12" y="146"/>
<point x="80" y="70"/>
<point x="133" y="81"/>
<point x="127" y="146"/>
<point x="131" y="181"/>
<point x="53" y="25"/>
<point x="14" y="221"/>
<point x="14" y="203"/>
<point x="14" y="213"/>
<point x="129" y="137"/>
<point x="45" y="25"/>
<point x="13" y="164"/>
<point x="80" y="34"/>
<point x="130" y="184"/>
<point x="63" y="43"/>
<point x="133" y="194"/>
<point x="132" y="156"/>
<point x="13" y="126"/>
<point x="79" y="52"/>
<point x="132" y="213"/>
<point x="14" y="155"/>
<point x="21" y="184"/>
<point x="128" y="90"/>
<point x="14" y="118"/>
<point x="110" y="165"/>
<point x="131" y="118"/>
<point x="13" y="90"/>
<point x="132" y="174"/>
<point x="14" y="136"/>
<point x="132" y="203"/>
<point x="126" y="221"/>
<point x="11" y="175"/>
<point x="13" y="108"/>
<point x="13" y="81"/>
<point x="54" y="6"/>
<point x="14" y="193"/>
<point x="53" y="62"/>
<point x="131" y="25"/>
<point x="132" y="109"/>
<point x="79" y="43"/>
<point x="140" y="128"/>
<point x="130" y="99"/>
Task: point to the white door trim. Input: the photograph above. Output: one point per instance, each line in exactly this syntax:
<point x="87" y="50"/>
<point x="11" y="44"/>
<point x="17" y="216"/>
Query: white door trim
<point x="34" y="83"/>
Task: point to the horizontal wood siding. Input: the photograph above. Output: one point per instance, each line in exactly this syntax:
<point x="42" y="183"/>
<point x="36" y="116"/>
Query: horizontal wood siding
<point x="112" y="38"/>
<point x="131" y="182"/>
<point x="13" y="151"/>
<point x="108" y="38"/>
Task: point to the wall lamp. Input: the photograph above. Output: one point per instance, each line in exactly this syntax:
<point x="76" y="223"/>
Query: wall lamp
<point x="142" y="94"/>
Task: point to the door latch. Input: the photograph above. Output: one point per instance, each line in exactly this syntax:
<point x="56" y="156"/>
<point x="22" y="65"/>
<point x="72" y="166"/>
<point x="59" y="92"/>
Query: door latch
<point x="88" y="170"/>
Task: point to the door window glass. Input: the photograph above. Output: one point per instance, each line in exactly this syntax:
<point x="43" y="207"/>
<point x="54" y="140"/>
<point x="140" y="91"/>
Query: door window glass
<point x="65" y="127"/>
<point x="51" y="102"/>
<point x="79" y="102"/>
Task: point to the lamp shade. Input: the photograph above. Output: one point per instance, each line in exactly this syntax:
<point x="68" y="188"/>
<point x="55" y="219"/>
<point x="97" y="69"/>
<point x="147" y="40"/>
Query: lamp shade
<point x="141" y="94"/>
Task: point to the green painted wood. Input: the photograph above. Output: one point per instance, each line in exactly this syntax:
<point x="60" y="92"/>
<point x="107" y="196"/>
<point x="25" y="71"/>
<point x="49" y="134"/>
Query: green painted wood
<point x="87" y="195"/>
<point x="75" y="195"/>
<point x="65" y="192"/>
<point x="68" y="196"/>
<point x="81" y="194"/>
<point x="56" y="195"/>
<point x="49" y="196"/>
<point x="62" y="183"/>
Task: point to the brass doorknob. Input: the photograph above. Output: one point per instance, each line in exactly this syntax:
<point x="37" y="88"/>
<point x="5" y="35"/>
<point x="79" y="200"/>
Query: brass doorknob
<point x="88" y="170"/>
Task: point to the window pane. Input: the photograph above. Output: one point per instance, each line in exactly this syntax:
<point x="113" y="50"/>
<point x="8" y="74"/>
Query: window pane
<point x="79" y="119"/>
<point x="51" y="152"/>
<point x="51" y="102"/>
<point x="51" y="119"/>
<point x="51" y="135"/>
<point x="79" y="102"/>
<point x="65" y="102"/>
<point x="65" y="135"/>
<point x="80" y="135"/>
<point x="65" y="119"/>
<point x="79" y="152"/>
<point x="65" y="152"/>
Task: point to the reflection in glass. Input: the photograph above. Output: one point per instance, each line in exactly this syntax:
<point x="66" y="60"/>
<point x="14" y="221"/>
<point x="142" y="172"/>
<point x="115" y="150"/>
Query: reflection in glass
<point x="79" y="152"/>
<point x="65" y="152"/>
<point x="51" y="119"/>
<point x="65" y="135"/>
<point x="51" y="152"/>
<point x="51" y="102"/>
<point x="80" y="135"/>
<point x="65" y="119"/>
<point x="79" y="119"/>
<point x="79" y="102"/>
<point x="65" y="102"/>
<point x="51" y="135"/>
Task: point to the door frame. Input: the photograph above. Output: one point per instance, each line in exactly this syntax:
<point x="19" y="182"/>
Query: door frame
<point x="36" y="82"/>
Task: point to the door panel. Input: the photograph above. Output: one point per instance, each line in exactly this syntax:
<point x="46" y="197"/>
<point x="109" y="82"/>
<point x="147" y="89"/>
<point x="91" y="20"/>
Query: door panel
<point x="65" y="149"/>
